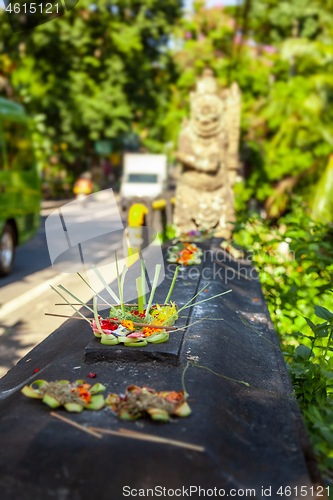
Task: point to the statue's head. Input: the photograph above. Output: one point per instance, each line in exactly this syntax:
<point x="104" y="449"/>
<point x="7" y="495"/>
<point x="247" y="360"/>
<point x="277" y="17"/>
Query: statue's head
<point x="206" y="106"/>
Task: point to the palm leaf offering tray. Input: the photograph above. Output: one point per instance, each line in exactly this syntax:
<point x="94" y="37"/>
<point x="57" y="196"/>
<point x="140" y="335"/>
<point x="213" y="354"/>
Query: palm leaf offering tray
<point x="141" y="401"/>
<point x="137" y="401"/>
<point x="196" y="235"/>
<point x="133" y="325"/>
<point x="185" y="253"/>
<point x="73" y="396"/>
<point x="134" y="328"/>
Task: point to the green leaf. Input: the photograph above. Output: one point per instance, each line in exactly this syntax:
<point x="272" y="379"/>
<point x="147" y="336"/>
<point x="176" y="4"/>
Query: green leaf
<point x="309" y="322"/>
<point x="172" y="285"/>
<point x="95" y="293"/>
<point x="108" y="288"/>
<point x="299" y="334"/>
<point x="139" y="288"/>
<point x="74" y="297"/>
<point x="143" y="278"/>
<point x="320" y="327"/>
<point x="152" y="293"/>
<point x="120" y="290"/>
<point x="303" y="351"/>
<point x="321" y="396"/>
<point x="323" y="313"/>
<point x="323" y="333"/>
<point x="99" y="328"/>
<point x="71" y="305"/>
<point x="327" y="435"/>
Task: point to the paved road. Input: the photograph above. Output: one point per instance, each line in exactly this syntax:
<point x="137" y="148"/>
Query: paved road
<point x="25" y="296"/>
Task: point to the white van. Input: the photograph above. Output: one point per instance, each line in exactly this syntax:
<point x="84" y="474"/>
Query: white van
<point x="144" y="176"/>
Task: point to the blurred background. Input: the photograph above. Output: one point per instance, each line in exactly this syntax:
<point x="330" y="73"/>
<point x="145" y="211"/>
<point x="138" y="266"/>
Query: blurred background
<point x="111" y="78"/>
<point x="103" y="80"/>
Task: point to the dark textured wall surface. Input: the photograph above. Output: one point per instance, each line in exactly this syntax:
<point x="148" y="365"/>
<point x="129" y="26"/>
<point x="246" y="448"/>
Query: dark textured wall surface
<point x="252" y="438"/>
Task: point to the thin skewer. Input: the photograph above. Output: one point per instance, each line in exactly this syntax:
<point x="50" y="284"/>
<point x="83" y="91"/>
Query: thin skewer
<point x="78" y="426"/>
<point x="105" y="305"/>
<point x="65" y="316"/>
<point x="118" y="322"/>
<point x="148" y="437"/>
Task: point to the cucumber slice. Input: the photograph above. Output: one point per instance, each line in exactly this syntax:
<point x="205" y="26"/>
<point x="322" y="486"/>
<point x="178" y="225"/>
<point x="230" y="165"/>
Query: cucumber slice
<point x="96" y="402"/>
<point x="73" y="407"/>
<point x="30" y="392"/>
<point x="50" y="401"/>
<point x="159" y="339"/>
<point x="136" y="344"/>
<point x="128" y="340"/>
<point x="39" y="383"/>
<point x="127" y="416"/>
<point x="183" y="410"/>
<point x="158" y="414"/>
<point x="109" y="340"/>
<point x="97" y="388"/>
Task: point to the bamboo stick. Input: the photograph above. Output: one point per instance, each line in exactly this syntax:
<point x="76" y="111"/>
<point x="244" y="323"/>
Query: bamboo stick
<point x="118" y="322"/>
<point x="65" y="316"/>
<point x="105" y="305"/>
<point x="148" y="437"/>
<point x="75" y="424"/>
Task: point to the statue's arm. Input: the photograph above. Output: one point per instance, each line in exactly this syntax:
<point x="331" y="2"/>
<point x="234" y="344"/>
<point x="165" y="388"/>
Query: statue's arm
<point x="202" y="162"/>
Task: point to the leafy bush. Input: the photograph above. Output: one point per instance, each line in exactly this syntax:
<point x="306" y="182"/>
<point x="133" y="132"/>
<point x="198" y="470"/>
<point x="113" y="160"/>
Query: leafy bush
<point x="311" y="371"/>
<point x="280" y="53"/>
<point x="295" y="263"/>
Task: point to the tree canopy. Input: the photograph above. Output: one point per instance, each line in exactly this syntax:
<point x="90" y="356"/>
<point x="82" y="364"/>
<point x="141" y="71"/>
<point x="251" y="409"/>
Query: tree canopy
<point x="95" y="72"/>
<point x="104" y="70"/>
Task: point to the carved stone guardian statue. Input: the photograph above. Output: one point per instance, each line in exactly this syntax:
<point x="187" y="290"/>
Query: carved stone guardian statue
<point x="208" y="152"/>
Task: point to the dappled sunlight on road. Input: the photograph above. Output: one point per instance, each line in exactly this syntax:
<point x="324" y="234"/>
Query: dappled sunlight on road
<point x="14" y="344"/>
<point x="25" y="297"/>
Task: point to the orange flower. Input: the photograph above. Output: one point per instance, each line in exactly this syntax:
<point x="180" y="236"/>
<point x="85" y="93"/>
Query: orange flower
<point x="127" y="324"/>
<point x="149" y="331"/>
<point x="83" y="392"/>
<point x="85" y="395"/>
<point x="190" y="247"/>
<point x="172" y="396"/>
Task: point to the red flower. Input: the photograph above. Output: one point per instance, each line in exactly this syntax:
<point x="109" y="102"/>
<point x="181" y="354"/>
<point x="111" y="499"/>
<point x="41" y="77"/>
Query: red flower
<point x="108" y="325"/>
<point x="137" y="313"/>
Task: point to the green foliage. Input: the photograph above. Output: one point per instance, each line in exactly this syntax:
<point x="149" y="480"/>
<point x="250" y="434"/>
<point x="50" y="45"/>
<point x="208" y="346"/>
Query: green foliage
<point x="98" y="72"/>
<point x="322" y="206"/>
<point x="102" y="71"/>
<point x="294" y="260"/>
<point x="311" y="371"/>
<point x="280" y="53"/>
<point x="275" y="20"/>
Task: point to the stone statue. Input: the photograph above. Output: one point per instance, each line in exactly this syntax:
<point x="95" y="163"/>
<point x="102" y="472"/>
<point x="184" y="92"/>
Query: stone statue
<point x="208" y="152"/>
